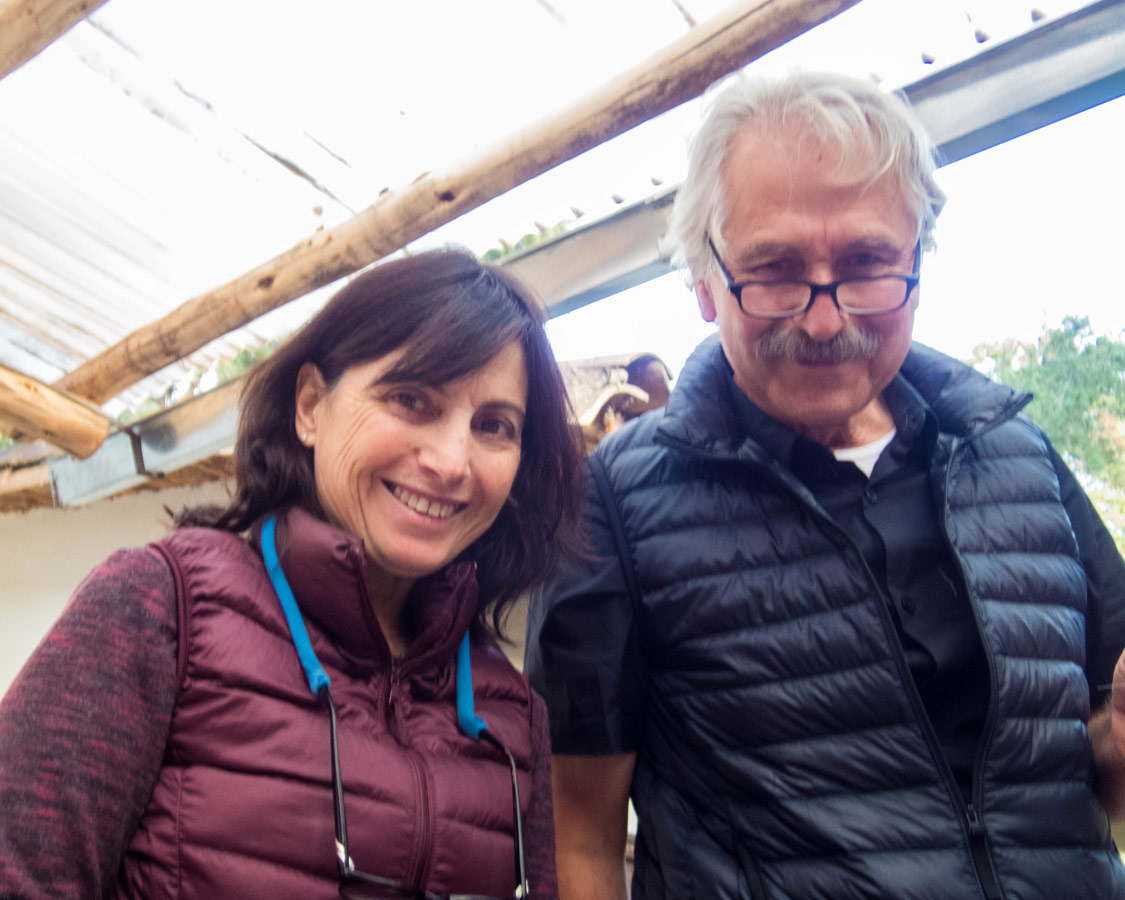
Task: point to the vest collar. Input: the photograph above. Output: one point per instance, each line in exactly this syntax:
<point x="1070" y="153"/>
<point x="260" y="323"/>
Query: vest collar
<point x="699" y="414"/>
<point x="325" y="567"/>
<point x="700" y="417"/>
<point x="964" y="400"/>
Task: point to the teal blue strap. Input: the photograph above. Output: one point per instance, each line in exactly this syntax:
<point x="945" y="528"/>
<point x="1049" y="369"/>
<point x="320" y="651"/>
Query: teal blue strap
<point x="470" y="722"/>
<point x="317" y="677"/>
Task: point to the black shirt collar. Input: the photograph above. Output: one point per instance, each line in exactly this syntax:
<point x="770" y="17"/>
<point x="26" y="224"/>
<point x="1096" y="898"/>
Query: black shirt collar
<point x="915" y="423"/>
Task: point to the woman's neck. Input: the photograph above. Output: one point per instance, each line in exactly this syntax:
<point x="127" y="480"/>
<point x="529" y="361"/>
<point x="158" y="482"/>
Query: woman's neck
<point x="387" y="595"/>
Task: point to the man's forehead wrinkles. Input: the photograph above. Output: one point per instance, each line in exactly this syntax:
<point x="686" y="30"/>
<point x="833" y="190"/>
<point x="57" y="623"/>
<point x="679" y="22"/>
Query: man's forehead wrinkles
<point x="749" y="254"/>
<point x="758" y="250"/>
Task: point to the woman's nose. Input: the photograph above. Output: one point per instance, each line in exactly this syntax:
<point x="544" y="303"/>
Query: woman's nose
<point x="446" y="453"/>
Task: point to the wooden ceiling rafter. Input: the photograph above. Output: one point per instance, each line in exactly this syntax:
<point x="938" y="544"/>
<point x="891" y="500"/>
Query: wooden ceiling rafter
<point x="28" y="26"/>
<point x="31" y="410"/>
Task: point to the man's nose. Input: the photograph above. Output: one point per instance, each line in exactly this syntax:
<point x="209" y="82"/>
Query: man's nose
<point x="823" y="320"/>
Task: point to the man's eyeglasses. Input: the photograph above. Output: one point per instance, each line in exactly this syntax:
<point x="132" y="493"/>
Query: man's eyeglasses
<point x="359" y="885"/>
<point x="873" y="296"/>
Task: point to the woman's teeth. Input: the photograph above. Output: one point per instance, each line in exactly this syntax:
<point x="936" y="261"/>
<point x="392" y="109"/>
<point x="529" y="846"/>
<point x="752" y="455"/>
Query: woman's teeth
<point x="433" y="508"/>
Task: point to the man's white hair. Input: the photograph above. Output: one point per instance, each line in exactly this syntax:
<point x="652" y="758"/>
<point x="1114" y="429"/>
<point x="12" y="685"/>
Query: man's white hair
<point x="875" y="133"/>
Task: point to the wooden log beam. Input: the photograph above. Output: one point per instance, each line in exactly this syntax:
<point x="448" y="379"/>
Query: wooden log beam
<point x="31" y="410"/>
<point x="27" y="26"/>
<point x="25" y="488"/>
<point x="674" y="75"/>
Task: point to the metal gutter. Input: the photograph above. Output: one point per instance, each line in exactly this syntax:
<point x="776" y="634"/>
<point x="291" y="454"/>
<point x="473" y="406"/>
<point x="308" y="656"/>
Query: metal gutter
<point x="1056" y="69"/>
<point x="187" y="433"/>
<point x="602" y="258"/>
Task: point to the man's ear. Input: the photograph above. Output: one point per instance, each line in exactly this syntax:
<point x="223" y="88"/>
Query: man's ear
<point x="705" y="300"/>
<point x="311" y="390"/>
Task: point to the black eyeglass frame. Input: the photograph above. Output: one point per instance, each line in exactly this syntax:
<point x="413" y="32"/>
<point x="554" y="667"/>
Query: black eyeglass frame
<point x="350" y="876"/>
<point x="815" y="290"/>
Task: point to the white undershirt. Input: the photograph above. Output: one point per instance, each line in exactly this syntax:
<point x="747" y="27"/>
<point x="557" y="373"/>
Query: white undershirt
<point x="866" y="456"/>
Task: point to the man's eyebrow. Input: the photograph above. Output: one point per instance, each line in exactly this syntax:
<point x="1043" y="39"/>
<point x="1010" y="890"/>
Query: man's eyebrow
<point x="748" y="257"/>
<point x="875" y="244"/>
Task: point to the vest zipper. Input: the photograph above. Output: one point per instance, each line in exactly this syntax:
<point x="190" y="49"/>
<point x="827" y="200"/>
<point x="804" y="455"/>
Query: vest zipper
<point x="425" y="832"/>
<point x="423" y="817"/>
<point x="419" y="864"/>
<point x="392" y="689"/>
<point x="976" y="835"/>
<point x="978" y="846"/>
<point x="977" y="832"/>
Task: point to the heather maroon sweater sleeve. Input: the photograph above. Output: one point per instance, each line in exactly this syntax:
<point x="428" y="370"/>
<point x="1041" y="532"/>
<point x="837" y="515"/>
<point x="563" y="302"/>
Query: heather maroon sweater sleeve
<point x="83" y="729"/>
<point x="539" y="827"/>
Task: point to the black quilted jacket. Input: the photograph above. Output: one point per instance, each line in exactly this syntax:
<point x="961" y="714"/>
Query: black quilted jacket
<point x="784" y="752"/>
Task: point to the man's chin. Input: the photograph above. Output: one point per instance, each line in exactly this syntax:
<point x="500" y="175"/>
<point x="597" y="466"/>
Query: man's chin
<point x="815" y="410"/>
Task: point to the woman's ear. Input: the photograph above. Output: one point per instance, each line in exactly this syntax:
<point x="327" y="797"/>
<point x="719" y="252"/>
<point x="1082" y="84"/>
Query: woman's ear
<point x="311" y="391"/>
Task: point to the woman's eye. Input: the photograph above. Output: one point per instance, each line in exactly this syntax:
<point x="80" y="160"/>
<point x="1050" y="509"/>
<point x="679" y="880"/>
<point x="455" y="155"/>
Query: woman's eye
<point x="498" y="428"/>
<point x="407" y="401"/>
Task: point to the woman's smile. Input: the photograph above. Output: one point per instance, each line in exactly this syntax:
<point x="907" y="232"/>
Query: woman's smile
<point x="424" y="505"/>
<point x="419" y="472"/>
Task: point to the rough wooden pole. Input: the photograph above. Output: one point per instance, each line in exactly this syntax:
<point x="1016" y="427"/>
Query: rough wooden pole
<point x="27" y="26"/>
<point x="676" y="74"/>
<point x="31" y="410"/>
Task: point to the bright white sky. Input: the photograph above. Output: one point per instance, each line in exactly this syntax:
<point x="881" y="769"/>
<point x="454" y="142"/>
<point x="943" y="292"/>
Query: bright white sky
<point x="1029" y="236"/>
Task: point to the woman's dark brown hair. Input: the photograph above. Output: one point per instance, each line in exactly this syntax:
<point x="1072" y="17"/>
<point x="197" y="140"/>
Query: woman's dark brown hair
<point x="453" y="315"/>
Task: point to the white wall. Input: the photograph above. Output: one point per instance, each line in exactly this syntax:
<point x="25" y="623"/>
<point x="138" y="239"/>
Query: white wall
<point x="45" y="553"/>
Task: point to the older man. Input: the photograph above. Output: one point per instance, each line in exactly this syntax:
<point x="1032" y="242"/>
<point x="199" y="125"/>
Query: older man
<point x="847" y="609"/>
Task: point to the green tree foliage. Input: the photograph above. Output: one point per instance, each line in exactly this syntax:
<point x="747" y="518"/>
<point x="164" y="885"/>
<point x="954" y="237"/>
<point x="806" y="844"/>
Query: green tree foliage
<point x="1078" y="379"/>
<point x="495" y="254"/>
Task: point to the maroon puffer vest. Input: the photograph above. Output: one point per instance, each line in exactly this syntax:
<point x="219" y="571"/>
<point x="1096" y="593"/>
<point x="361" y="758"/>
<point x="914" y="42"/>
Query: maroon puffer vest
<point x="242" y="806"/>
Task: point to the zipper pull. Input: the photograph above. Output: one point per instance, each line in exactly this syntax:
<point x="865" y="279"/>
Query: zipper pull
<point x="392" y="686"/>
<point x="978" y="847"/>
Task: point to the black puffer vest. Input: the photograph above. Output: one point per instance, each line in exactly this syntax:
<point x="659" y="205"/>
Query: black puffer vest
<point x="786" y="752"/>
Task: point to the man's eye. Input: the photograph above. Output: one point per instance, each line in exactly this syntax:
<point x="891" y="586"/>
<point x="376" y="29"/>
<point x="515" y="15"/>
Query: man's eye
<point x="773" y="270"/>
<point x="862" y="263"/>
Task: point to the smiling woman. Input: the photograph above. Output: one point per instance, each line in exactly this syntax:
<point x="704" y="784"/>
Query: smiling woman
<point x="405" y="468"/>
<point x="418" y="471"/>
<point x="407" y="336"/>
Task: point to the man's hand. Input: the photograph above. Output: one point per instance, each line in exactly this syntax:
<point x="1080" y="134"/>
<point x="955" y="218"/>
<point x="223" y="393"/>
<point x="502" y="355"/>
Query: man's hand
<point x="1107" y="734"/>
<point x="591" y="816"/>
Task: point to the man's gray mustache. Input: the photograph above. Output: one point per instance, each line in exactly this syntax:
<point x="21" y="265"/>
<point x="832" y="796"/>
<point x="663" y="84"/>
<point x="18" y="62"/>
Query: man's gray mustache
<point x="793" y="345"/>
